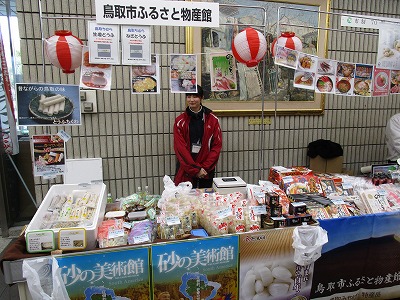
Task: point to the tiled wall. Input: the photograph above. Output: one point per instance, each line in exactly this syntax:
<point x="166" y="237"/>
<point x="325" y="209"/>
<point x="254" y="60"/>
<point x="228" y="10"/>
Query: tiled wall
<point x="133" y="134"/>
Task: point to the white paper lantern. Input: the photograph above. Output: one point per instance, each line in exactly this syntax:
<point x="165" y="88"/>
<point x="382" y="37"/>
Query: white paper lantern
<point x="249" y="47"/>
<point x="289" y="40"/>
<point x="64" y="50"/>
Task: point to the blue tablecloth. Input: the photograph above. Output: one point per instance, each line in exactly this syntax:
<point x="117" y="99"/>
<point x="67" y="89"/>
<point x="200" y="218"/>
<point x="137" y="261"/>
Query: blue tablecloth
<point x="342" y="231"/>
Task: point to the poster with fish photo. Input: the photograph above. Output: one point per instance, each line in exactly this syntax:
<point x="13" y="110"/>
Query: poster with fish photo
<point x="145" y="79"/>
<point x="223" y="72"/>
<point x="196" y="269"/>
<point x="48" y="104"/>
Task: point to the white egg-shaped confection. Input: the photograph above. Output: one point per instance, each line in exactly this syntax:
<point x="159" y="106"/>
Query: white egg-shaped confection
<point x="266" y="276"/>
<point x="278" y="289"/>
<point x="259" y="286"/>
<point x="281" y="272"/>
<point x="248" y="286"/>
<point x="261" y="296"/>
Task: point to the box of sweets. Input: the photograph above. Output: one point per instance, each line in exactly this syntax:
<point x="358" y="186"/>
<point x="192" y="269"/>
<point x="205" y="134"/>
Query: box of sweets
<point x="276" y="173"/>
<point x="301" y="184"/>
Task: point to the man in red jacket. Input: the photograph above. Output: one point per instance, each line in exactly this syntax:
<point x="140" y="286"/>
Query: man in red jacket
<point x="197" y="142"/>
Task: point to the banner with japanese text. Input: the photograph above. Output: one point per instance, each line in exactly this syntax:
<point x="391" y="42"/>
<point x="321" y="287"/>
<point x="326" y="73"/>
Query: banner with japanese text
<point x="196" y="269"/>
<point x="117" y="274"/>
<point x="158" y="12"/>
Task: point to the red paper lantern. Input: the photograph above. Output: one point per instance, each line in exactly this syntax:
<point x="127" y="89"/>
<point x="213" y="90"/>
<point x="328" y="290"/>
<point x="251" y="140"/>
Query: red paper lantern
<point x="64" y="50"/>
<point x="289" y="40"/>
<point x="249" y="47"/>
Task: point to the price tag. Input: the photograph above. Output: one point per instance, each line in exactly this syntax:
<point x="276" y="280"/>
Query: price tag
<point x="347" y="185"/>
<point x="115" y="233"/>
<point x="259" y="210"/>
<point x="223" y="213"/>
<point x="287" y="179"/>
<point x="143" y="238"/>
<point x="173" y="220"/>
<point x="381" y="192"/>
<point x="338" y="201"/>
<point x="127" y="225"/>
<point x="65" y="136"/>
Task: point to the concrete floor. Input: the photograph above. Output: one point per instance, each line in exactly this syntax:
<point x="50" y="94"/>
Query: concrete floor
<point x="8" y="292"/>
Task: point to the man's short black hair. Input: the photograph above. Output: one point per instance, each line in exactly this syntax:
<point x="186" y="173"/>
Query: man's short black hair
<point x="199" y="93"/>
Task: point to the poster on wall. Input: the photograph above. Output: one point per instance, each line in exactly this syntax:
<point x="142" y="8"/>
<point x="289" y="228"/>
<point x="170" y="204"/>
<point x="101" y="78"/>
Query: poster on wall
<point x="136" y="45"/>
<point x="48" y="155"/>
<point x="223" y="72"/>
<point x="267" y="267"/>
<point x="145" y="79"/>
<point x="388" y="56"/>
<point x="381" y="82"/>
<point x="48" y="104"/>
<point x="196" y="269"/>
<point x="363" y="80"/>
<point x="94" y="76"/>
<point x="119" y="274"/>
<point x="394" y="81"/>
<point x="183" y="77"/>
<point x="103" y="40"/>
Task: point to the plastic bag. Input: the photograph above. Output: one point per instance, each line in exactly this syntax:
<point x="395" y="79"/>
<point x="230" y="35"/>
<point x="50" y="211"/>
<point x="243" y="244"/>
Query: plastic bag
<point x="307" y="243"/>
<point x="170" y="190"/>
<point x="43" y="277"/>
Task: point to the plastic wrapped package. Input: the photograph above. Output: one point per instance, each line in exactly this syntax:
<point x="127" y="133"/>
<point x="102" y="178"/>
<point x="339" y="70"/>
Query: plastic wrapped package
<point x="112" y="233"/>
<point x="253" y="221"/>
<point x="141" y="231"/>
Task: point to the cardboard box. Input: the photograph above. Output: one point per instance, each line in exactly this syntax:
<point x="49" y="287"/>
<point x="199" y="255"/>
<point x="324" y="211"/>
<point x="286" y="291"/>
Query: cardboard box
<point x="332" y="165"/>
<point x="77" y="191"/>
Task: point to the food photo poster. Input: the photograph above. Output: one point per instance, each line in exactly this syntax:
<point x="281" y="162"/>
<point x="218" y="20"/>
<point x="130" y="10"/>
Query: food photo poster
<point x="48" y="155"/>
<point x="145" y="79"/>
<point x="183" y="75"/>
<point x="48" y="104"/>
<point x="388" y="56"/>
<point x="223" y="72"/>
<point x="94" y="76"/>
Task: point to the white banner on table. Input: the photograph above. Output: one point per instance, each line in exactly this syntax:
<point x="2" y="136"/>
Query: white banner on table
<point x="103" y="42"/>
<point x="158" y="12"/>
<point x="136" y="42"/>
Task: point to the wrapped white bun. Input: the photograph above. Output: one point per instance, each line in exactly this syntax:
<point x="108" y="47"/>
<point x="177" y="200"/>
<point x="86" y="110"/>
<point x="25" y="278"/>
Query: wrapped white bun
<point x="281" y="273"/>
<point x="266" y="276"/>
<point x="248" y="286"/>
<point x="259" y="286"/>
<point x="278" y="289"/>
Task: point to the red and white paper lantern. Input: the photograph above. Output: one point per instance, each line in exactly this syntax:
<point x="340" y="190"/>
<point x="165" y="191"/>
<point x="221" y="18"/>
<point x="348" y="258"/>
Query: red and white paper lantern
<point x="64" y="50"/>
<point x="249" y="47"/>
<point x="289" y="40"/>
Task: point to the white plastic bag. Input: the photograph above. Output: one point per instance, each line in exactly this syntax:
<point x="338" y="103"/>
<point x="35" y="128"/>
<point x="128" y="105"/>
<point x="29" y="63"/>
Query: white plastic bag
<point x="43" y="277"/>
<point x="171" y="191"/>
<point x="307" y="243"/>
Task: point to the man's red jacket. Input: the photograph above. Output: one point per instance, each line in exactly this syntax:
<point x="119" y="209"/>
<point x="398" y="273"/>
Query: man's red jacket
<point x="211" y="145"/>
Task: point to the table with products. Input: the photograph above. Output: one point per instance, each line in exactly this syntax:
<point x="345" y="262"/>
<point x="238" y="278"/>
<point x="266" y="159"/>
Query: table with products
<point x="360" y="259"/>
